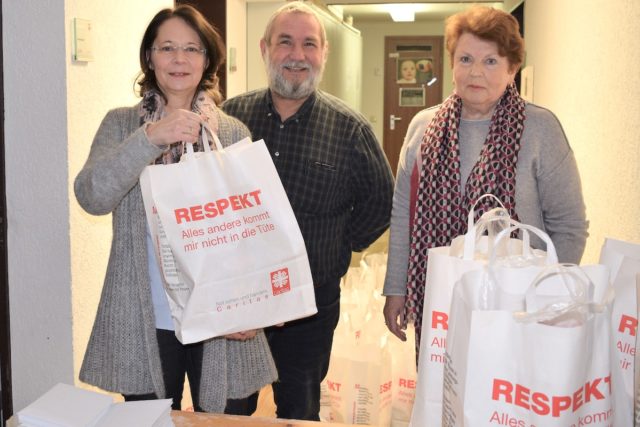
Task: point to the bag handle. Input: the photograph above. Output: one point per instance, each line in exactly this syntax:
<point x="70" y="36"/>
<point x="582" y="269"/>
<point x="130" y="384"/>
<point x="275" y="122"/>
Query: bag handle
<point x="552" y="256"/>
<point x="205" y="140"/>
<point x="473" y="235"/>
<point x="580" y="296"/>
<point x="472" y="211"/>
<point x="474" y="229"/>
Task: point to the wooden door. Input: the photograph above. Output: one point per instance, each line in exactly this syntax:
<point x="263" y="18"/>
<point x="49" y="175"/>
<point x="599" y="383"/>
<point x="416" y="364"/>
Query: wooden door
<point x="412" y="82"/>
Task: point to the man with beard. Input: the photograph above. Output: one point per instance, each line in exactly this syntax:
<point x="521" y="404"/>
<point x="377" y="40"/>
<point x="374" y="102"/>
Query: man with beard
<point x="338" y="182"/>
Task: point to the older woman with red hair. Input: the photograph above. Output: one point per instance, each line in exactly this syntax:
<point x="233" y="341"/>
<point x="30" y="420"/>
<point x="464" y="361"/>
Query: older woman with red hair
<point x="484" y="138"/>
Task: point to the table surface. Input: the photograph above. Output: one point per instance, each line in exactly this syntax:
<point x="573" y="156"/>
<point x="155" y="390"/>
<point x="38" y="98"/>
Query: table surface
<point x="200" y="419"/>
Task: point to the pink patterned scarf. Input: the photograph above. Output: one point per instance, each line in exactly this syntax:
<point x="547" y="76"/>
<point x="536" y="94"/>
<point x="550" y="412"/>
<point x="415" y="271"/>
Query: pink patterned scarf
<point x="152" y="110"/>
<point x="441" y="209"/>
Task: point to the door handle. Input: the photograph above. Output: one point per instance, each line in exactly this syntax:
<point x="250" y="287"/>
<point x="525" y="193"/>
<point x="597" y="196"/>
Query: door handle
<point x="392" y="121"/>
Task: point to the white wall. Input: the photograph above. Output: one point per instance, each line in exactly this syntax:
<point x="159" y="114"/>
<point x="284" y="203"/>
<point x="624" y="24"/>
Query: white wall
<point x="58" y="253"/>
<point x="586" y="62"/>
<point x="343" y="70"/>
<point x="34" y="54"/>
<point x="257" y="16"/>
<point x="237" y="39"/>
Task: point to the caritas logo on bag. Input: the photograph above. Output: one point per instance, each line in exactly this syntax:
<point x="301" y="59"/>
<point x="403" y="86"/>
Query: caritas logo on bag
<point x="280" y="281"/>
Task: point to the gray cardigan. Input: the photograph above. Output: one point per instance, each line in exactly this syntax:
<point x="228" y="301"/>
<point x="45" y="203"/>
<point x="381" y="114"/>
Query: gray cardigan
<point x="548" y="190"/>
<point x="122" y="353"/>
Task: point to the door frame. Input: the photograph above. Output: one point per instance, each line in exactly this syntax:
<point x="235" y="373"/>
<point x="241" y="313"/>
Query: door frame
<point x="6" y="400"/>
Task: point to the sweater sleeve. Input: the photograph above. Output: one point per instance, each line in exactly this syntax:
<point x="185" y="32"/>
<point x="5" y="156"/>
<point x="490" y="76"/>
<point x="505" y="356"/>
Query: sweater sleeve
<point x="231" y="129"/>
<point x="395" y="282"/>
<point x="116" y="160"/>
<point x="560" y="191"/>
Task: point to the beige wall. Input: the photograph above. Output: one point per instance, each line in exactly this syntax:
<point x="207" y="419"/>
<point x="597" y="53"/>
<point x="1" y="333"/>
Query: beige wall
<point x="237" y="39"/>
<point x="586" y="62"/>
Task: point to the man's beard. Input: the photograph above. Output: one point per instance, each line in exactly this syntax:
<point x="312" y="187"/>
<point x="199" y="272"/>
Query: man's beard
<point x="292" y="90"/>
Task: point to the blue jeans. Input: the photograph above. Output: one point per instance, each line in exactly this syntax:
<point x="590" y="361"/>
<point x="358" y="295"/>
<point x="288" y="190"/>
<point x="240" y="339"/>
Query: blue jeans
<point x="301" y="350"/>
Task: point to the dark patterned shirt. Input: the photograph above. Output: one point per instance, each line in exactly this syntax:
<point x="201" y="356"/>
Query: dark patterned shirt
<point x="333" y="169"/>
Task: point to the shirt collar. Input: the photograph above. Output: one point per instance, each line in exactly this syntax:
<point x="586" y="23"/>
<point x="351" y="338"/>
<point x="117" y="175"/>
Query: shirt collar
<point x="303" y="111"/>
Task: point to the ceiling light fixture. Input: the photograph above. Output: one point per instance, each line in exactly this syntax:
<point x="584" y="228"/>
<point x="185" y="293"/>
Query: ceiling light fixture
<point x="402" y="12"/>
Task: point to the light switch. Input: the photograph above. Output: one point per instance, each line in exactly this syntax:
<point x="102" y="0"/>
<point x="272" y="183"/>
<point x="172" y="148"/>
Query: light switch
<point x="526" y="83"/>
<point x="82" y="44"/>
<point x="233" y="66"/>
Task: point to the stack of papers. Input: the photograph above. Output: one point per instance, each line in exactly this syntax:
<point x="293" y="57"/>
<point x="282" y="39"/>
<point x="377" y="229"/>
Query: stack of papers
<point x="69" y="406"/>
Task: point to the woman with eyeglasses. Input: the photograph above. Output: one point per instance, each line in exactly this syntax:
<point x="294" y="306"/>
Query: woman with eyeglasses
<point x="133" y="349"/>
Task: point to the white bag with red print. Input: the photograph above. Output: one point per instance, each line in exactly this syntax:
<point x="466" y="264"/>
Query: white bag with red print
<point x="445" y="266"/>
<point x="623" y="259"/>
<point x="358" y="385"/>
<point x="227" y="241"/>
<point x="529" y="345"/>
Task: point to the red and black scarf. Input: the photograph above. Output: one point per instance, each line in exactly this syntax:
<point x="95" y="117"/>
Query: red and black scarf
<point x="440" y="207"/>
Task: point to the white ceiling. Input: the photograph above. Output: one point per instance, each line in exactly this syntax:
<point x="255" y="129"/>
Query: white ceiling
<point x="376" y="10"/>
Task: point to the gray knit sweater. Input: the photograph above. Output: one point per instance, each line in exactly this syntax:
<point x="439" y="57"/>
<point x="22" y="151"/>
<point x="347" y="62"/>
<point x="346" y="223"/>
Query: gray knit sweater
<point x="122" y="354"/>
<point x="548" y="190"/>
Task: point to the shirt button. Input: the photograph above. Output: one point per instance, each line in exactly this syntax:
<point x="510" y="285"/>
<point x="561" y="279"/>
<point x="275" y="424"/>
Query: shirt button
<point x="268" y="114"/>
<point x="281" y="126"/>
<point x="277" y="153"/>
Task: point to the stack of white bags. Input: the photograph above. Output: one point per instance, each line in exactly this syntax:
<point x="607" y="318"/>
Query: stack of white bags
<point x="68" y="406"/>
<point x="512" y="338"/>
<point x="372" y="374"/>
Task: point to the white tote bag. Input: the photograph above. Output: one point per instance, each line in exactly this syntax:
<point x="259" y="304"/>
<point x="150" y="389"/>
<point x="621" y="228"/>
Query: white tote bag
<point x="529" y="345"/>
<point x="445" y="266"/>
<point x="227" y="241"/>
<point x="358" y="385"/>
<point x="623" y="258"/>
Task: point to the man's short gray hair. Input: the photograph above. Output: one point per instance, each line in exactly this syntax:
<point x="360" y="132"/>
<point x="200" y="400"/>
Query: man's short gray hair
<point x="294" y="7"/>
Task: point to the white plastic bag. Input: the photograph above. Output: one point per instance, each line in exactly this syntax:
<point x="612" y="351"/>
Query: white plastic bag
<point x="623" y="258"/>
<point x="357" y="388"/>
<point x="445" y="266"/>
<point x="228" y="243"/>
<point x="529" y="344"/>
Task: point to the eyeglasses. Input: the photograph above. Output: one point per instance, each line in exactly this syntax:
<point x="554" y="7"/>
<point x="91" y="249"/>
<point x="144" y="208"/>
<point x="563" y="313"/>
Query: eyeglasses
<point x="172" y="50"/>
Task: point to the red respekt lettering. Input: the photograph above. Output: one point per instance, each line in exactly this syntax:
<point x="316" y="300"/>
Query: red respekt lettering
<point x="215" y="208"/>
<point x="543" y="404"/>
<point x="439" y="318"/>
<point x="629" y="324"/>
<point x="406" y="383"/>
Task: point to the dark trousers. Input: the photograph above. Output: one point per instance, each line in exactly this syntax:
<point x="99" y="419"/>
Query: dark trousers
<point x="178" y="359"/>
<point x="301" y="350"/>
